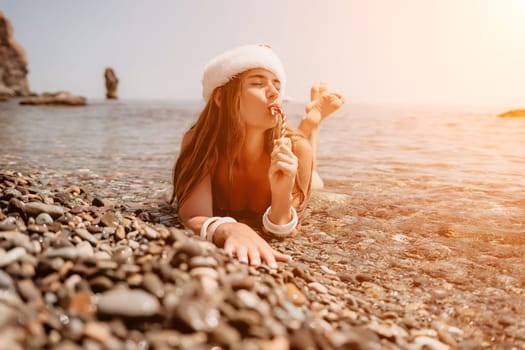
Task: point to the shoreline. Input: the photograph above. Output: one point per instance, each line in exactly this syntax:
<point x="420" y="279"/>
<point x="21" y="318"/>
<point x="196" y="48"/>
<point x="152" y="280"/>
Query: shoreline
<point x="116" y="240"/>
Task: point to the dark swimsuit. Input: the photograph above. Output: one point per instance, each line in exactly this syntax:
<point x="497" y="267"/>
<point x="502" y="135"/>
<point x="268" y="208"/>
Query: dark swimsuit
<point x="221" y="208"/>
<point x="248" y="217"/>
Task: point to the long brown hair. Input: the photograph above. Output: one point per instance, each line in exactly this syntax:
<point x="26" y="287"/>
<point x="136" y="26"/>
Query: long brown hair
<point x="218" y="131"/>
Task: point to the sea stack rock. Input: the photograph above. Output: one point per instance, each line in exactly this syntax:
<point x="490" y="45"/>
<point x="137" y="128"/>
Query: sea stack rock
<point x="111" y="83"/>
<point x="13" y="63"/>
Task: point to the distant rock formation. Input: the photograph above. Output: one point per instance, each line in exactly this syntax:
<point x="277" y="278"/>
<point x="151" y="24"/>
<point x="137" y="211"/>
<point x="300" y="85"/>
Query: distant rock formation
<point x="515" y="113"/>
<point x="61" y="98"/>
<point x="111" y="83"/>
<point x="13" y="63"/>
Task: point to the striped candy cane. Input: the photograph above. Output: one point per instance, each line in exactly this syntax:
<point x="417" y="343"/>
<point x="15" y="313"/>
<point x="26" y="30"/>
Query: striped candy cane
<point x="277" y="111"/>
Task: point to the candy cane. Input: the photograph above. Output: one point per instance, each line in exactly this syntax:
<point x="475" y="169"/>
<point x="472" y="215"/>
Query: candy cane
<point x="277" y="111"/>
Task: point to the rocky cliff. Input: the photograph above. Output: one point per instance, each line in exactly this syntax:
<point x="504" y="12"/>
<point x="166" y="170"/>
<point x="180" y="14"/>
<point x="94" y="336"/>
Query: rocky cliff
<point x="13" y="62"/>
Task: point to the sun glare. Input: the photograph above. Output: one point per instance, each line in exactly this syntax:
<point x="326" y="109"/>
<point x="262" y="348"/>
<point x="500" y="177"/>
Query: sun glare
<point x="514" y="15"/>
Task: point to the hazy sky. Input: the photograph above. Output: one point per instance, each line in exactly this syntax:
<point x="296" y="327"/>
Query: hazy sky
<point x="440" y="52"/>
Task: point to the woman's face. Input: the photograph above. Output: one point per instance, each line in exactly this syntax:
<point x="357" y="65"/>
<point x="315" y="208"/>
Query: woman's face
<point x="260" y="89"/>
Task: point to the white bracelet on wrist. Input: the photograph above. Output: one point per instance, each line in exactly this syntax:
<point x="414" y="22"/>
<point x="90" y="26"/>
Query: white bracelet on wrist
<point x="204" y="227"/>
<point x="215" y="222"/>
<point x="280" y="230"/>
<point x="215" y="225"/>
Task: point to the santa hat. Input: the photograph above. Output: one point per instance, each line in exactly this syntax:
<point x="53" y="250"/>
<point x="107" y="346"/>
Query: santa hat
<point x="227" y="65"/>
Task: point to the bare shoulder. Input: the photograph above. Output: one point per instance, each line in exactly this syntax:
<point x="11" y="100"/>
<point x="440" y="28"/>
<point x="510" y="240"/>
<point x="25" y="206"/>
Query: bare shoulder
<point x="188" y="137"/>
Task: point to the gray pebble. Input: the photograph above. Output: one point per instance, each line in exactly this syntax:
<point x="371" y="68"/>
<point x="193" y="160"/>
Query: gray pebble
<point x="6" y="282"/>
<point x="128" y="302"/>
<point x="69" y="253"/>
<point x="202" y="261"/>
<point x="35" y="208"/>
<point x="8" y="224"/>
<point x="7" y="315"/>
<point x="10" y="193"/>
<point x="11" y="256"/>
<point x="84" y="234"/>
<point x="84" y="249"/>
<point x="318" y="287"/>
<point x="44" y="219"/>
<point x="204" y="271"/>
<point x="19" y="239"/>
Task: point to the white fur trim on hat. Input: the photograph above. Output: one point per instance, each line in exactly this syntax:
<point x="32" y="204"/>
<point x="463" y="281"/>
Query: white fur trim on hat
<point x="224" y="67"/>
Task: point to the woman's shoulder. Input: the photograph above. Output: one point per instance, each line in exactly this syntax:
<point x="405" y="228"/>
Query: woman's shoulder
<point x="188" y="137"/>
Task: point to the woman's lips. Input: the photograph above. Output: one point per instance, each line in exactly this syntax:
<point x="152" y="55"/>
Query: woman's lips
<point x="276" y="110"/>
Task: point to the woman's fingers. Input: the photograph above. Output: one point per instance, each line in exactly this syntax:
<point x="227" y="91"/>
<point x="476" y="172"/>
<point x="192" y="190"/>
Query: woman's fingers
<point x="280" y="256"/>
<point x="283" y="151"/>
<point x="269" y="258"/>
<point x="229" y="247"/>
<point x="250" y="248"/>
<point x="242" y="254"/>
<point x="286" y="168"/>
<point x="282" y="158"/>
<point x="254" y="256"/>
<point x="285" y="158"/>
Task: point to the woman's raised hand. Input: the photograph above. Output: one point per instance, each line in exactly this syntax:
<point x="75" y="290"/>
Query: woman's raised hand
<point x="242" y="241"/>
<point x="283" y="168"/>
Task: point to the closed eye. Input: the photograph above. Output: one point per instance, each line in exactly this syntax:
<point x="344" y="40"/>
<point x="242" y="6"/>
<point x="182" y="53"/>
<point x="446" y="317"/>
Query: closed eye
<point x="261" y="80"/>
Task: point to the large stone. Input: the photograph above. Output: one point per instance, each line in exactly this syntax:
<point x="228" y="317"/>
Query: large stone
<point x="13" y="62"/>
<point x="128" y="302"/>
<point x="62" y="98"/>
<point x="36" y="208"/>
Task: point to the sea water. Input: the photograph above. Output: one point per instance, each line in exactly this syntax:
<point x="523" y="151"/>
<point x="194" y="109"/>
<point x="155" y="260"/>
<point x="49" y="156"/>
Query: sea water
<point x="402" y="169"/>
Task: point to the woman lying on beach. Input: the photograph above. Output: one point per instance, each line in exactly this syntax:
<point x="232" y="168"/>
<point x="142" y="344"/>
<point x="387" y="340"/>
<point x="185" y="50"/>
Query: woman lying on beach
<point x="240" y="165"/>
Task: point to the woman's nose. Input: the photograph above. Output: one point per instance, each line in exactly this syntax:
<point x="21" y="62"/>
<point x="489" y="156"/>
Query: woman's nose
<point x="272" y="92"/>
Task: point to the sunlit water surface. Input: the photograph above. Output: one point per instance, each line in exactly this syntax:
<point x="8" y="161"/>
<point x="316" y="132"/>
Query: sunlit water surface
<point x="403" y="169"/>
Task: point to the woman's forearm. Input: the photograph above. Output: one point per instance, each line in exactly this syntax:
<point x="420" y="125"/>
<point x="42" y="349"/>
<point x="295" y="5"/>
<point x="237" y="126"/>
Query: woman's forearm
<point x="309" y="122"/>
<point x="281" y="209"/>
<point x="195" y="223"/>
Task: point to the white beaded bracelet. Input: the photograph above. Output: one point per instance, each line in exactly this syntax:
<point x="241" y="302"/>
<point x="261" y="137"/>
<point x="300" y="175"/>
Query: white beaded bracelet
<point x="280" y="230"/>
<point x="215" y="225"/>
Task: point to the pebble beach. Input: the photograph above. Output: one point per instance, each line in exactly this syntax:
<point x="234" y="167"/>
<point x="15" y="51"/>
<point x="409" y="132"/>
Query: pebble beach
<point x="82" y="268"/>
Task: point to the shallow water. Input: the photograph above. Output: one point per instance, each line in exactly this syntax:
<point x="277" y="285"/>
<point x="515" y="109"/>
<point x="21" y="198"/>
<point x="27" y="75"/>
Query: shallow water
<point x="404" y="169"/>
